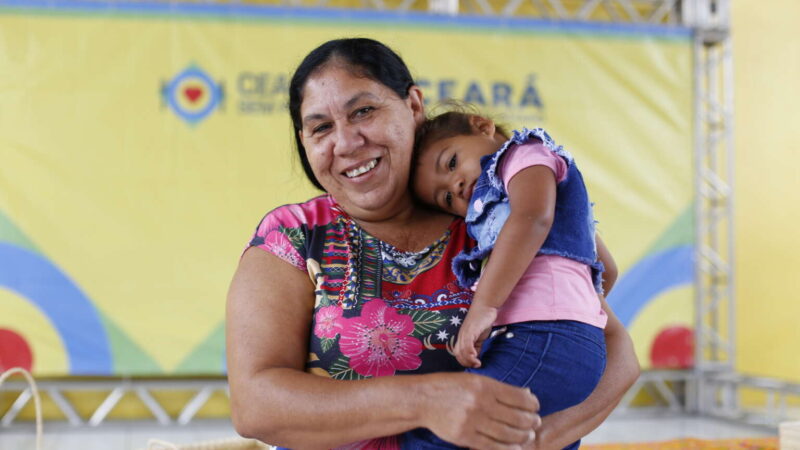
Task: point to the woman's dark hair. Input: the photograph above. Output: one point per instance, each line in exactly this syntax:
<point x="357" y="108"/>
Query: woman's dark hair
<point x="366" y="58"/>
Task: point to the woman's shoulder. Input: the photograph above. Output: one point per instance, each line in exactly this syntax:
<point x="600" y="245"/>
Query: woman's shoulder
<point x="285" y="230"/>
<point x="319" y="210"/>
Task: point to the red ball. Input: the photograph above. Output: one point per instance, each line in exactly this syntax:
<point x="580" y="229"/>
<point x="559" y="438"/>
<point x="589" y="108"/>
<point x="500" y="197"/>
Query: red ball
<point x="673" y="348"/>
<point x="14" y="351"/>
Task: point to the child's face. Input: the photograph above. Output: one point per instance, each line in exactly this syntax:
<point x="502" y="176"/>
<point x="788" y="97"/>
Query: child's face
<point x="447" y="170"/>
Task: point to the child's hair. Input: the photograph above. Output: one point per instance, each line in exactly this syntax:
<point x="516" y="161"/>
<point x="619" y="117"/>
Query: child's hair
<point x="454" y="122"/>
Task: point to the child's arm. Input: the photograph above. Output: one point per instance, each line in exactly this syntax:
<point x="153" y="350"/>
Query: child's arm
<point x="532" y="195"/>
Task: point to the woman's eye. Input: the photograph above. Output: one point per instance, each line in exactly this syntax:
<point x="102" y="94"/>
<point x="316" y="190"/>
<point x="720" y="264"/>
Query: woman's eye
<point x="448" y="198"/>
<point x="320" y="128"/>
<point x="452" y="163"/>
<point x="361" y="112"/>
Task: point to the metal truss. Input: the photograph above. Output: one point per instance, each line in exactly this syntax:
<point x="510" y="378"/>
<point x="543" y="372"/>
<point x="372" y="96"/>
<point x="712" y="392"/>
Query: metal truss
<point x="714" y="309"/>
<point x="614" y="11"/>
<point x="146" y="391"/>
<point x="770" y="401"/>
<point x="662" y="390"/>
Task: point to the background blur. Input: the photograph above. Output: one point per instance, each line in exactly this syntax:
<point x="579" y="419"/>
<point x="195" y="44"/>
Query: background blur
<point x="140" y="145"/>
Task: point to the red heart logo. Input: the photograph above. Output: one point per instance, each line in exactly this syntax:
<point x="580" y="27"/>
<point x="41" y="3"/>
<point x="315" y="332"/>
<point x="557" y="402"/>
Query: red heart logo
<point x="193" y="93"/>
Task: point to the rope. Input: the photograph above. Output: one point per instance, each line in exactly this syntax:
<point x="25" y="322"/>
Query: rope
<point x="36" y="400"/>
<point x="235" y="443"/>
<point x="222" y="444"/>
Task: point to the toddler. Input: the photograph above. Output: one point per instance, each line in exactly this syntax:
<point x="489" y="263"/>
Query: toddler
<point x="523" y="200"/>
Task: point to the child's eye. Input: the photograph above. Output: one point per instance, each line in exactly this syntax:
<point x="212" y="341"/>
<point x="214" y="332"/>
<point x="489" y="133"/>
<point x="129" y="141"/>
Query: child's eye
<point x="448" y="198"/>
<point x="452" y="163"/>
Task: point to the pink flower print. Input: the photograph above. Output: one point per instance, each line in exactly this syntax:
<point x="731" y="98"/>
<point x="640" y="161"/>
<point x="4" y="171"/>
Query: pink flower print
<point x="280" y="245"/>
<point x="378" y="342"/>
<point x="384" y="443"/>
<point x="327" y="322"/>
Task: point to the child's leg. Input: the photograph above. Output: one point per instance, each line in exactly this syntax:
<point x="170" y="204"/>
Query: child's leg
<point x="560" y="361"/>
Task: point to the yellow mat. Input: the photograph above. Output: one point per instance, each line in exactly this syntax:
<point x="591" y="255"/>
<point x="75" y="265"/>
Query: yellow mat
<point x="694" y="444"/>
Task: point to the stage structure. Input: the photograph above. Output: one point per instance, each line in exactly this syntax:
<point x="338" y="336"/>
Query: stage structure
<point x="712" y="387"/>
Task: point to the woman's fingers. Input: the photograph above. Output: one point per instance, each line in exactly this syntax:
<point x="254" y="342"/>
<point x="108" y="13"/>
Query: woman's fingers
<point x="521" y="419"/>
<point x="505" y="434"/>
<point x="475" y="411"/>
<point x="484" y="442"/>
<point x="515" y="397"/>
<point x="510" y="416"/>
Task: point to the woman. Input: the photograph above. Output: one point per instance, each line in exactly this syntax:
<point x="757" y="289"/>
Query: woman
<point x="356" y="285"/>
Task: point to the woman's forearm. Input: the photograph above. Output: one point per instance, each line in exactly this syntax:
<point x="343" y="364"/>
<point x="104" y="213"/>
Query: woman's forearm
<point x="298" y="410"/>
<point x="269" y="312"/>
<point x="290" y="408"/>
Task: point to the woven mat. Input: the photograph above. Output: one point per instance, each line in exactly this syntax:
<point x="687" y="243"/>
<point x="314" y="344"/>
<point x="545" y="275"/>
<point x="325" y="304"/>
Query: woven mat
<point x="693" y="444"/>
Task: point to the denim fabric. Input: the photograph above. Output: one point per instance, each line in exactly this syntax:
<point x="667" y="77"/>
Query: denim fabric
<point x="560" y="361"/>
<point x="572" y="232"/>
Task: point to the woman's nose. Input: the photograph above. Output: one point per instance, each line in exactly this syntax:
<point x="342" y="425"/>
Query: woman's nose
<point x="348" y="139"/>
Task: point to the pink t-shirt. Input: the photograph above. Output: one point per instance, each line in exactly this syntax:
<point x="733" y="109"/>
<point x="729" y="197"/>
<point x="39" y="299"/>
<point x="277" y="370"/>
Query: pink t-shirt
<point x="553" y="287"/>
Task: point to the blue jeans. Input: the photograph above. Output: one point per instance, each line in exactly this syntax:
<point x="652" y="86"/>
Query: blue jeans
<point x="560" y="361"/>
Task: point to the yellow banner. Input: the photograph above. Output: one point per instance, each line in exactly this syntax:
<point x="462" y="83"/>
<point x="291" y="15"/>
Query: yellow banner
<point x="140" y="147"/>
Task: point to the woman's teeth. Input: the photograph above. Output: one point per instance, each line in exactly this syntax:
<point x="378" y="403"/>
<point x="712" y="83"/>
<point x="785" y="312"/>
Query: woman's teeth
<point x="363" y="169"/>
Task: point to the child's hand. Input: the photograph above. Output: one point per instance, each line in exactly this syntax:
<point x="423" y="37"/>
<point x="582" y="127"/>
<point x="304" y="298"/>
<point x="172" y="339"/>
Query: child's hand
<point x="473" y="332"/>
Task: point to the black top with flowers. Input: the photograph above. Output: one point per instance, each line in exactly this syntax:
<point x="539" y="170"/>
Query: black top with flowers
<point x="379" y="310"/>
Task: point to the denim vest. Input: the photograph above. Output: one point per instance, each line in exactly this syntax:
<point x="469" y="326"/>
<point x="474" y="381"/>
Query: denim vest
<point x="572" y="232"/>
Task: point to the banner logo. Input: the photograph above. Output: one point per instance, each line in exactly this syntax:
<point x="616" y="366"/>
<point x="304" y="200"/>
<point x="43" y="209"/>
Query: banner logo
<point x="192" y="94"/>
<point x="519" y="102"/>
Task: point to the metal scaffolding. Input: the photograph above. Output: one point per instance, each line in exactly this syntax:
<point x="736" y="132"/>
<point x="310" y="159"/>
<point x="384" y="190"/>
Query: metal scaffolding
<point x="62" y="393"/>
<point x="713" y="387"/>
<point x="715" y="345"/>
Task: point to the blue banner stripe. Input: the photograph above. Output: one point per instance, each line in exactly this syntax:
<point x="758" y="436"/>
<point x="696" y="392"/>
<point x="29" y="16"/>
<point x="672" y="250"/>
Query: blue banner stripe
<point x="69" y="310"/>
<point x="414" y="18"/>
<point x="649" y="278"/>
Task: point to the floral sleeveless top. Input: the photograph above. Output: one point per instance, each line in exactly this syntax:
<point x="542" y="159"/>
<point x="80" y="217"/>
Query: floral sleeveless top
<point x="379" y="310"/>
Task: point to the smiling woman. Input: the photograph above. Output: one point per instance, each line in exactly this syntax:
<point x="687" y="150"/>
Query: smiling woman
<point x="355" y="134"/>
<point x="337" y="294"/>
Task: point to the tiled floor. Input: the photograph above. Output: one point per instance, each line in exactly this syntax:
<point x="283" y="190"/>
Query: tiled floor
<point x="136" y="436"/>
<point x="653" y="429"/>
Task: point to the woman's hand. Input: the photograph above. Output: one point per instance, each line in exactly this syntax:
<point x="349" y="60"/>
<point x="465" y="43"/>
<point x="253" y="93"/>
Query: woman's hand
<point x="475" y="411"/>
<point x="270" y="307"/>
<point x="473" y="332"/>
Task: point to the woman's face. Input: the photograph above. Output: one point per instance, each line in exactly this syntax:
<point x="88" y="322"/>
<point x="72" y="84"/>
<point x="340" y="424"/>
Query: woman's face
<point x="358" y="135"/>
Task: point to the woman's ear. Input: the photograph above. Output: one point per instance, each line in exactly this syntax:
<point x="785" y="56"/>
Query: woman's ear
<point x="482" y="125"/>
<point x="416" y="103"/>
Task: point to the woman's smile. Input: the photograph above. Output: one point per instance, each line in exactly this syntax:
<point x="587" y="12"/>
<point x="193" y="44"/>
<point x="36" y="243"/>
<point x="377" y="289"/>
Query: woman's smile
<point x="362" y="169"/>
